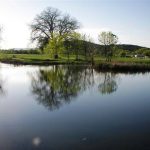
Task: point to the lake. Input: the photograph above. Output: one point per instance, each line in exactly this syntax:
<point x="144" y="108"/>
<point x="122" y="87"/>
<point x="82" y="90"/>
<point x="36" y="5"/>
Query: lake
<point x="73" y="108"/>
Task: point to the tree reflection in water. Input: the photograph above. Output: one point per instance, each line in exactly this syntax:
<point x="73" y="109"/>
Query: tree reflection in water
<point x="109" y="83"/>
<point x="58" y="85"/>
<point x="2" y="90"/>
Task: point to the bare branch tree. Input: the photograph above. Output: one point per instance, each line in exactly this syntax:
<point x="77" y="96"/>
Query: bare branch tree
<point x="67" y="25"/>
<point x="51" y="21"/>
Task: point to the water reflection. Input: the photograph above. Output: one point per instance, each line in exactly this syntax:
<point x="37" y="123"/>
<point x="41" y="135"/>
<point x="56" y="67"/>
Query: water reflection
<point x="58" y="85"/>
<point x="109" y="83"/>
<point x="2" y="90"/>
<point x="103" y="113"/>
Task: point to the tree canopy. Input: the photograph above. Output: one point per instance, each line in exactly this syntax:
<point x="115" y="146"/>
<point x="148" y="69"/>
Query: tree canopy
<point x="109" y="40"/>
<point x="51" y="21"/>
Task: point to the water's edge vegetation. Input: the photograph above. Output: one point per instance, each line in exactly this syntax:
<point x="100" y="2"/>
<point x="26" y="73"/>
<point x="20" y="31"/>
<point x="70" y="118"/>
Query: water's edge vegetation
<point x="57" y="41"/>
<point x="116" y="64"/>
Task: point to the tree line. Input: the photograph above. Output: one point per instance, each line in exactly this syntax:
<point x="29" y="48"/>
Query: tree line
<point x="55" y="33"/>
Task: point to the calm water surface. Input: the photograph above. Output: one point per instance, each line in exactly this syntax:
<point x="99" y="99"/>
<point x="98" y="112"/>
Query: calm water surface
<point x="71" y="108"/>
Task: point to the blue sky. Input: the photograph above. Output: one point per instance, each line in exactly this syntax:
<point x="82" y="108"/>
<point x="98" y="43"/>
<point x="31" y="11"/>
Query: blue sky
<point x="129" y="19"/>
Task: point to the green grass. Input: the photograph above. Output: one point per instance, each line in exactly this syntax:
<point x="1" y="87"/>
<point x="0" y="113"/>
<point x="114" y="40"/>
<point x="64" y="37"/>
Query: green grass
<point x="132" y="60"/>
<point x="39" y="59"/>
<point x="124" y="60"/>
<point x="36" y="59"/>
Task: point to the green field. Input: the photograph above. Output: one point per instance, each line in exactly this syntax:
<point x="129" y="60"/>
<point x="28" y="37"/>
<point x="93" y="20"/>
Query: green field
<point x="37" y="59"/>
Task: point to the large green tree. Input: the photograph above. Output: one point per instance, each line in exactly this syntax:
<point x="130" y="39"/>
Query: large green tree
<point x="51" y="21"/>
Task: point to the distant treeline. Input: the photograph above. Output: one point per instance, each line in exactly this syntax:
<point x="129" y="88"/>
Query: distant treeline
<point x="129" y="47"/>
<point x="20" y="51"/>
<point x="99" y="49"/>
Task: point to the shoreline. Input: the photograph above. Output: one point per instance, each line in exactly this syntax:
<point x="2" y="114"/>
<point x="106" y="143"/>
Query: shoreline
<point x="123" y="67"/>
<point x="43" y="63"/>
<point x="102" y="66"/>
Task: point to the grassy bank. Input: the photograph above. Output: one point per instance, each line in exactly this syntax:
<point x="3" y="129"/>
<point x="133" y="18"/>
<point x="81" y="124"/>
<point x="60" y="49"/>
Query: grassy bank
<point x="123" y="64"/>
<point x="123" y="67"/>
<point x="99" y="62"/>
<point x="36" y="59"/>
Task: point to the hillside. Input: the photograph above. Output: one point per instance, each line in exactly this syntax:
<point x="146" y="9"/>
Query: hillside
<point x="99" y="49"/>
<point x="129" y="47"/>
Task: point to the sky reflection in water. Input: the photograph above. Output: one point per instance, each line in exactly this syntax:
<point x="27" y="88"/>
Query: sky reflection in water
<point x="66" y="107"/>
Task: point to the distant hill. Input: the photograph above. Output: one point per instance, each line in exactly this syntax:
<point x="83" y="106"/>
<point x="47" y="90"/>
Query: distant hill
<point x="129" y="47"/>
<point x="99" y="49"/>
<point x="122" y="46"/>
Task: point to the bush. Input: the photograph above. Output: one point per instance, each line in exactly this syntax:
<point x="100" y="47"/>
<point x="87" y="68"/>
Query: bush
<point x="122" y="54"/>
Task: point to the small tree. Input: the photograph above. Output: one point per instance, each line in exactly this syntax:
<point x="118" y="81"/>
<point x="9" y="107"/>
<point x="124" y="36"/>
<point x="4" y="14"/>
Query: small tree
<point x="55" y="45"/>
<point x="108" y="40"/>
<point x="91" y="47"/>
<point x="67" y="48"/>
<point x="76" y="43"/>
<point x="85" y="44"/>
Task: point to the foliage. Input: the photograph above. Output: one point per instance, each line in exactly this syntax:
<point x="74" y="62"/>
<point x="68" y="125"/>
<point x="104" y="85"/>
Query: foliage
<point x="27" y="51"/>
<point x="76" y="43"/>
<point x="91" y="49"/>
<point x="109" y="84"/>
<point x="129" y="47"/>
<point x="109" y="40"/>
<point x="57" y="85"/>
<point x="51" y="21"/>
<point x="122" y="54"/>
<point x="55" y="45"/>
<point x="60" y="84"/>
<point x="143" y="51"/>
